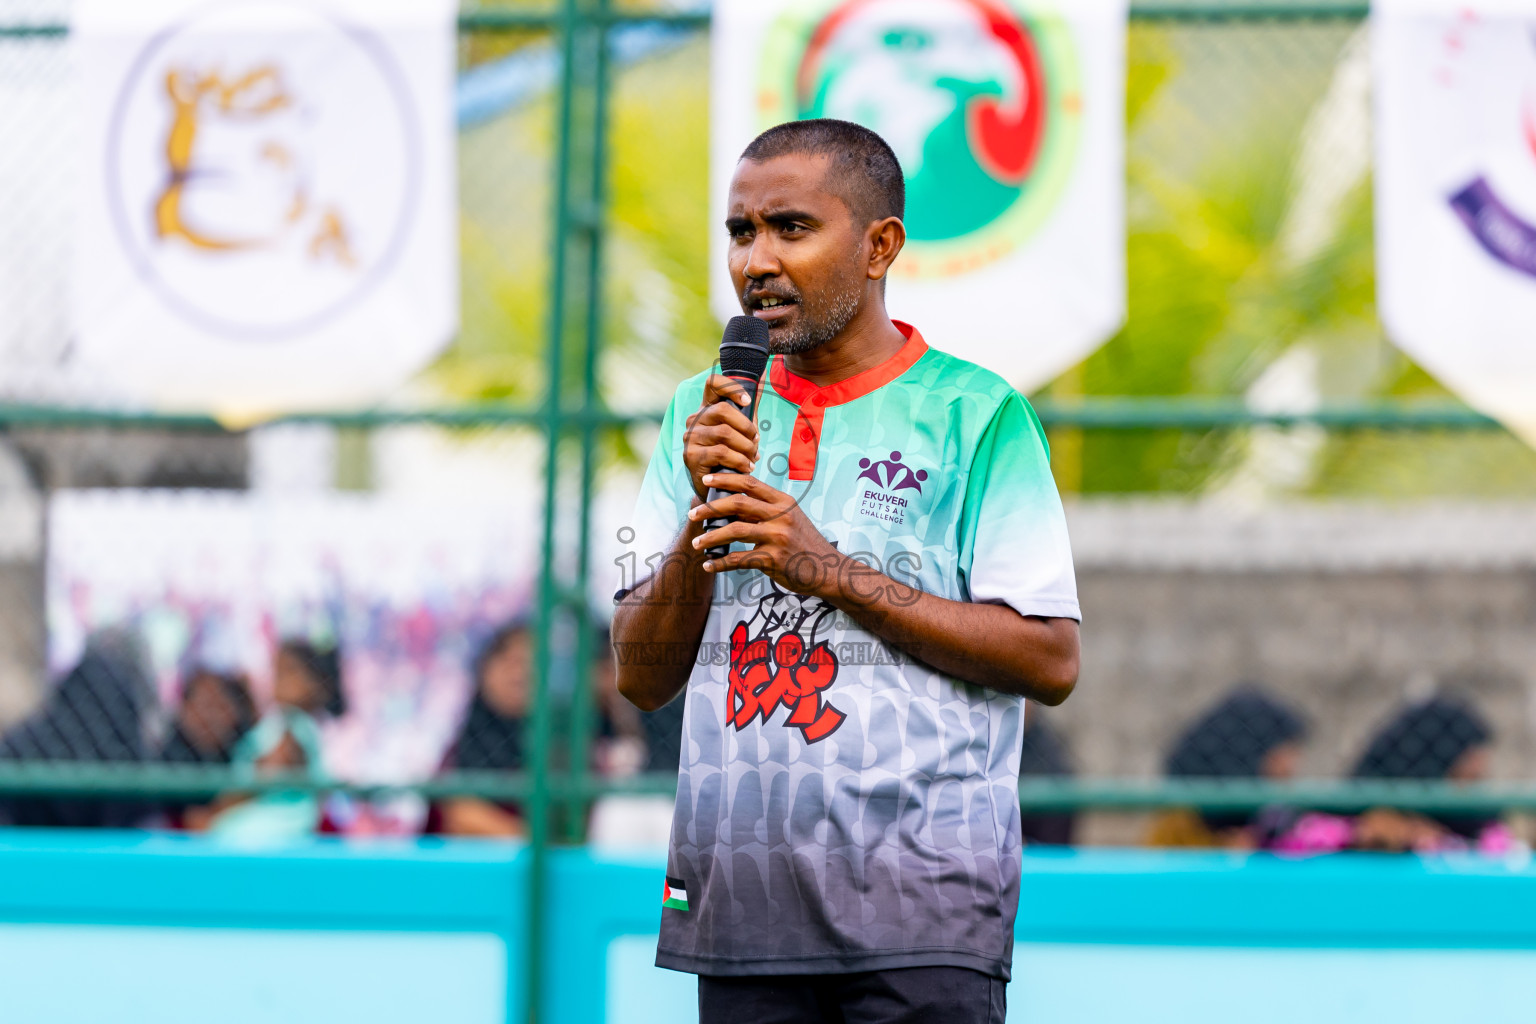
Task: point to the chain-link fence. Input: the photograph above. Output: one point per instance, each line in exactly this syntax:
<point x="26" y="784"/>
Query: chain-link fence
<point x="392" y="589"/>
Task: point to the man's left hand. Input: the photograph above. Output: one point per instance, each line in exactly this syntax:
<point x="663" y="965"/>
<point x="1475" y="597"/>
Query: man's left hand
<point x="786" y="547"/>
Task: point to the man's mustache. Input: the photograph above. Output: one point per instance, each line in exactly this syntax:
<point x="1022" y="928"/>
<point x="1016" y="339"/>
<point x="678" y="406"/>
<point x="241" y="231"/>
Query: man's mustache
<point x="750" y="297"/>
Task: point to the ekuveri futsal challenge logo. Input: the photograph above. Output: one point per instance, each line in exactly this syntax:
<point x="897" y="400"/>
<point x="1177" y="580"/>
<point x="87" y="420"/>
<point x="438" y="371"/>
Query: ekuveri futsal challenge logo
<point x="981" y="104"/>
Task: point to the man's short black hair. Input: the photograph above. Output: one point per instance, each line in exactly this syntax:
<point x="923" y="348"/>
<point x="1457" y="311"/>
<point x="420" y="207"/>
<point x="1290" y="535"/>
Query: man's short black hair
<point x="863" y="170"/>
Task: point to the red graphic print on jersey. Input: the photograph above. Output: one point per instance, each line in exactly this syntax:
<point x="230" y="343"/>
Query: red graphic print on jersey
<point x="777" y="661"/>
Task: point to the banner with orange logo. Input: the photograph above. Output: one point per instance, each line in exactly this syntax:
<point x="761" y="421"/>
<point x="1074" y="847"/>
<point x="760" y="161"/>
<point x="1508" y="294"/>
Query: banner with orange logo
<point x="266" y="215"/>
<point x="1008" y="119"/>
<point x="1456" y="195"/>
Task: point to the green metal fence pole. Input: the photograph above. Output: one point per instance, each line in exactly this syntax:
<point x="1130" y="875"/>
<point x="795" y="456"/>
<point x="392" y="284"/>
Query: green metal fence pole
<point x="59" y="417"/>
<point x="1198" y="413"/>
<point x="198" y="783"/>
<point x="1248" y="10"/>
<point x="1092" y="412"/>
<point x="535" y="19"/>
<point x="581" y="722"/>
<point x="550" y="592"/>
<point x="523" y="20"/>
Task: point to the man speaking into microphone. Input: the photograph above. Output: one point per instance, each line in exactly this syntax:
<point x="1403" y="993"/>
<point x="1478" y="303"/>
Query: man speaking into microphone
<point x="845" y="842"/>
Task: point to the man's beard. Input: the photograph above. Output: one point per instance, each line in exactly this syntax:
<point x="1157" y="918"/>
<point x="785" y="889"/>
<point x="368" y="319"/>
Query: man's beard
<point x="811" y="331"/>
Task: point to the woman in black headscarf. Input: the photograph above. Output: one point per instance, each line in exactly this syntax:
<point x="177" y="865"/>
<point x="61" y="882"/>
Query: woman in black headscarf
<point x="491" y="738"/>
<point x="1248" y="735"/>
<point x="1439" y="738"/>
<point x="95" y="714"/>
<point x="216" y="711"/>
<point x="307" y="678"/>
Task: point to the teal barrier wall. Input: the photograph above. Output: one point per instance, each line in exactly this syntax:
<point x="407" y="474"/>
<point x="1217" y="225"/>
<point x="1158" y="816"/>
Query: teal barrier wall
<point x="131" y="927"/>
<point x="171" y="929"/>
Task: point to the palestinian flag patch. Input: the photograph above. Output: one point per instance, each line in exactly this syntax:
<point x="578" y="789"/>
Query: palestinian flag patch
<point x="674" y="894"/>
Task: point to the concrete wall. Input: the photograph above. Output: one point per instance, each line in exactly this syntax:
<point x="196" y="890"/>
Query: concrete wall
<point x="1159" y="646"/>
<point x="1345" y="609"/>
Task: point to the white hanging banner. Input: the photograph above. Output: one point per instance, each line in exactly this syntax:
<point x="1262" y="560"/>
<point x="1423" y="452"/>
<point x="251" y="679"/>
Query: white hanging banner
<point x="1008" y="119"/>
<point x="1456" y="195"/>
<point x="267" y="214"/>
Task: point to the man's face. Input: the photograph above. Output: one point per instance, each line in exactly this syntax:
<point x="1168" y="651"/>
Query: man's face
<point x="797" y="255"/>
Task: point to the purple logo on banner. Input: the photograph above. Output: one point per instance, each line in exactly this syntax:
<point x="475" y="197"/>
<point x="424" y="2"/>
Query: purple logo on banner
<point x="1497" y="228"/>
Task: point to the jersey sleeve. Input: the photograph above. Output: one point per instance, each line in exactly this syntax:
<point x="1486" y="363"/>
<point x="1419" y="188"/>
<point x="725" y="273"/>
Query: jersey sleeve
<point x="1014" y="546"/>
<point x="665" y="494"/>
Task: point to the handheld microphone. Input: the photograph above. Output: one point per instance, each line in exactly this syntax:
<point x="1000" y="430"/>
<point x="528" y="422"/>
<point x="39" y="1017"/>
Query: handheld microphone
<point x="743" y="357"/>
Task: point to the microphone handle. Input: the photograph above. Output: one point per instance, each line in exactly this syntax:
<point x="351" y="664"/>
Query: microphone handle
<point x="749" y="385"/>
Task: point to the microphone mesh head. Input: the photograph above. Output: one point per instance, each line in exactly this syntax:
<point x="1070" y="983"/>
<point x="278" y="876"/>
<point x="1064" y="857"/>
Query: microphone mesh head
<point x="744" y="348"/>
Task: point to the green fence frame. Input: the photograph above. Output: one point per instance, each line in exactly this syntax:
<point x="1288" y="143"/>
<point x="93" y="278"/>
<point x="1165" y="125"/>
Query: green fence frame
<point x="1083" y="413"/>
<point x="573" y="415"/>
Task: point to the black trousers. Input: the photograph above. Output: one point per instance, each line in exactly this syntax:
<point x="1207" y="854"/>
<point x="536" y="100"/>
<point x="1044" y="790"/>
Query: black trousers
<point x="908" y="995"/>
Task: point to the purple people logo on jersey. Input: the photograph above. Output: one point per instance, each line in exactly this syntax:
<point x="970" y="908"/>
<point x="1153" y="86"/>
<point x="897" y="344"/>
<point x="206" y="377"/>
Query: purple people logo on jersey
<point x="888" y="476"/>
<point x="780" y="657"/>
<point x="892" y="474"/>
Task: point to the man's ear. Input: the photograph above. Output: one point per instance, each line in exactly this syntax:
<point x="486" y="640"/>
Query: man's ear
<point x="886" y="237"/>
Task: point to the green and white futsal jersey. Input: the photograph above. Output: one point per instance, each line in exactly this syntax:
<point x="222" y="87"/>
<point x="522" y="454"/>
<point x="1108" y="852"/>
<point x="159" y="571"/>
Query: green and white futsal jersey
<point x="840" y="806"/>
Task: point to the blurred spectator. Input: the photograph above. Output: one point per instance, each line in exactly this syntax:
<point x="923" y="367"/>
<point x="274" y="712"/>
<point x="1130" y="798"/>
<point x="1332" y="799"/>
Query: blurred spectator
<point x="308" y="678"/>
<point x="1440" y="738"/>
<point x="271" y="748"/>
<point x="1436" y="739"/>
<point x="630" y="742"/>
<point x="619" y="749"/>
<point x="216" y="711"/>
<point x="1044" y="755"/>
<point x="491" y="738"/>
<point x="640" y="820"/>
<point x="306" y="689"/>
<point x="1248" y="735"/>
<point x="95" y="714"/>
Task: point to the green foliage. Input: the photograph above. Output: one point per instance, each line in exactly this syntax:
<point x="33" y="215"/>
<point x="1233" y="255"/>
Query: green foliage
<point x="656" y="326"/>
<point x="503" y="261"/>
<point x="1213" y="297"/>
<point x="1216" y="118"/>
<point x="660" y="188"/>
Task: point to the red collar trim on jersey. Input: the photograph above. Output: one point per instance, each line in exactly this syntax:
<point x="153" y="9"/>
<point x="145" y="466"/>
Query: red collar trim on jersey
<point x="813" y="400"/>
<point x="798" y="390"/>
